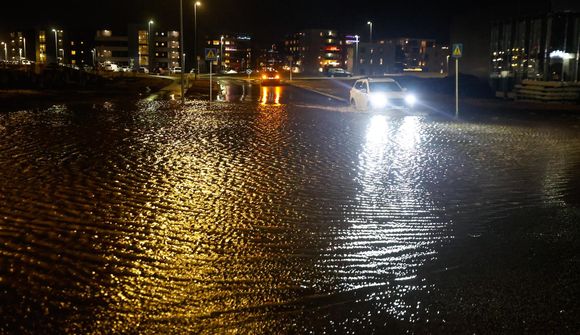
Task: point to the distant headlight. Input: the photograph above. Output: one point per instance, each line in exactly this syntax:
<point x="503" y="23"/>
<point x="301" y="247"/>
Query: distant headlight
<point x="410" y="99"/>
<point x="264" y="76"/>
<point x="378" y="100"/>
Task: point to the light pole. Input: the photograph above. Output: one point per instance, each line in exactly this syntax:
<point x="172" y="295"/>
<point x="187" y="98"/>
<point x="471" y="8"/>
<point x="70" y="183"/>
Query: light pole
<point x="5" y="51"/>
<point x="195" y="5"/>
<point x="221" y="52"/>
<point x="181" y="52"/>
<point x="355" y="62"/>
<point x="55" y="45"/>
<point x="23" y="39"/>
<point x="149" y="46"/>
<point x="371" y="31"/>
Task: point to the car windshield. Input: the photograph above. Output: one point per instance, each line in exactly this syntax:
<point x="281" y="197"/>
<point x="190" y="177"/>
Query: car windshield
<point x="385" y="87"/>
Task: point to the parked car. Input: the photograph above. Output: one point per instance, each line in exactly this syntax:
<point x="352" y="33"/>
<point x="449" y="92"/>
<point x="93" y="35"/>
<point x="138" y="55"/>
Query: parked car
<point x="111" y="67"/>
<point x="143" y="69"/>
<point x="338" y="72"/>
<point x="380" y="94"/>
<point x="175" y="70"/>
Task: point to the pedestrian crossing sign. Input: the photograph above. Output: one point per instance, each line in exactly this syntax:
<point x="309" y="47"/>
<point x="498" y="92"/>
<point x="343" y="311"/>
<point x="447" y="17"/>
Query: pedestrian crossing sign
<point x="211" y="54"/>
<point x="457" y="50"/>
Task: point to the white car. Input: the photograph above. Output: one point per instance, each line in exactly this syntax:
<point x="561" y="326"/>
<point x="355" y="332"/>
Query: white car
<point x="380" y="94"/>
<point x="175" y="70"/>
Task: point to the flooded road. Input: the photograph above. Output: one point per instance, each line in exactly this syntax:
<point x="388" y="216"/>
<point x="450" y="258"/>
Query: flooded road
<point x="277" y="212"/>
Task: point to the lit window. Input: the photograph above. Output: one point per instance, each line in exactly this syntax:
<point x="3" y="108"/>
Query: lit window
<point x="74" y="52"/>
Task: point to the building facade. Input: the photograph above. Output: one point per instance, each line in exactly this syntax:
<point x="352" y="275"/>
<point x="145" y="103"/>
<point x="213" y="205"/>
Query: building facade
<point x="236" y="51"/>
<point x="545" y="48"/>
<point x="315" y="50"/>
<point x="138" y="48"/>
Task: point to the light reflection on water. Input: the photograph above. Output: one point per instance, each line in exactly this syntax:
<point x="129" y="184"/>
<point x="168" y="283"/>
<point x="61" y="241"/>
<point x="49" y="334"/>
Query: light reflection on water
<point x="255" y="217"/>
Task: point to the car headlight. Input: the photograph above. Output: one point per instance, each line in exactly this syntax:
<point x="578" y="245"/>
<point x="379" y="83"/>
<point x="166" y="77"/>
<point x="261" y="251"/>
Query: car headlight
<point x="410" y="99"/>
<point x="378" y="100"/>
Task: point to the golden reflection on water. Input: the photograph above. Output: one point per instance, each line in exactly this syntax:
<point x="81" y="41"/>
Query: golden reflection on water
<point x="271" y="95"/>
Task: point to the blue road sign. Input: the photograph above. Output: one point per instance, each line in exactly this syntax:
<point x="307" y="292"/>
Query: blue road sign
<point x="457" y="50"/>
<point x="211" y="54"/>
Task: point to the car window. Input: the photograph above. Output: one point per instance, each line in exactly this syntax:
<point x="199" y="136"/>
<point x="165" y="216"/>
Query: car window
<point x="359" y="85"/>
<point x="385" y="87"/>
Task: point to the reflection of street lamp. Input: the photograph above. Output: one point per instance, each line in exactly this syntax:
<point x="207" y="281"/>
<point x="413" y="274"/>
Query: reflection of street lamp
<point x="371" y="30"/>
<point x="149" y="50"/>
<point x="195" y="5"/>
<point x="55" y="45"/>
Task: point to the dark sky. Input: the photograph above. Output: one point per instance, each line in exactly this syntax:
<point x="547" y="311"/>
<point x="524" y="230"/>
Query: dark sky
<point x="267" y="20"/>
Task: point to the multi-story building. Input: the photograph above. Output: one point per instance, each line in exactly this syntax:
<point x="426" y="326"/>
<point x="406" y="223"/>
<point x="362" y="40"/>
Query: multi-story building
<point x="137" y="49"/>
<point x="376" y="59"/>
<point x="315" y="50"/>
<point x="272" y="58"/>
<point x="111" y="48"/>
<point x="17" y="47"/>
<point x="235" y="51"/>
<point x="165" y="50"/>
<point x="50" y="46"/>
<point x="81" y="52"/>
<point x="544" y="47"/>
<point x="412" y="53"/>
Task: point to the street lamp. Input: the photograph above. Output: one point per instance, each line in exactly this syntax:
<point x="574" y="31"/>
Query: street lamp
<point x="195" y="5"/>
<point x="55" y="45"/>
<point x="181" y="52"/>
<point x="221" y="52"/>
<point x="149" y="49"/>
<point x="23" y="39"/>
<point x="5" y="51"/>
<point x="355" y="62"/>
<point x="371" y="31"/>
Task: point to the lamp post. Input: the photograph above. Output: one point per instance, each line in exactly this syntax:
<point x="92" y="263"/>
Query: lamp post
<point x="195" y="5"/>
<point x="55" y="45"/>
<point x="221" y="52"/>
<point x="149" y="49"/>
<point x="5" y="51"/>
<point x="355" y="62"/>
<point x="181" y="52"/>
<point x="371" y="31"/>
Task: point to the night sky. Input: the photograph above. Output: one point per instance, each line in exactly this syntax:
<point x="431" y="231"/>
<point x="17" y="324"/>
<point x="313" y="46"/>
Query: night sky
<point x="268" y="21"/>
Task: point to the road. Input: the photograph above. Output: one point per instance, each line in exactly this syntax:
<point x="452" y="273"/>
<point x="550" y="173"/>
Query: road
<point x="277" y="211"/>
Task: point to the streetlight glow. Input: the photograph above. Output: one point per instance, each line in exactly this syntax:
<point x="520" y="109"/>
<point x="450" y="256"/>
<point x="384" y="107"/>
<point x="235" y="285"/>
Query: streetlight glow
<point x="195" y="58"/>
<point x="370" y="23"/>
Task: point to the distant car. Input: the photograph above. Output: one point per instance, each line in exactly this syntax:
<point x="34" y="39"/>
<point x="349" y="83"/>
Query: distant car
<point x="380" y="94"/>
<point x="124" y="69"/>
<point x="270" y="77"/>
<point x="111" y="67"/>
<point x="143" y="69"/>
<point x="175" y="70"/>
<point x="338" y="72"/>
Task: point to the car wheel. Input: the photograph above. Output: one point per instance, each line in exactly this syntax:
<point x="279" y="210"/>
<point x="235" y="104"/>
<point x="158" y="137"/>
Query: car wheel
<point x="353" y="104"/>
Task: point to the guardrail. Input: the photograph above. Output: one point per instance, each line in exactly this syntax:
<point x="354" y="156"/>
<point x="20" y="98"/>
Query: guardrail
<point x="548" y="91"/>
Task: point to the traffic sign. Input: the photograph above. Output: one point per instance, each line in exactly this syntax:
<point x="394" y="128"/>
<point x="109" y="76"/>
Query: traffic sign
<point x="457" y="50"/>
<point x="211" y="54"/>
<point x="249" y="71"/>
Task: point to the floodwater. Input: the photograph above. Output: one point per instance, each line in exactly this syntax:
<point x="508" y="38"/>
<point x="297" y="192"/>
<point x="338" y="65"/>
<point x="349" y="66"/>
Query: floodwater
<point x="272" y="213"/>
